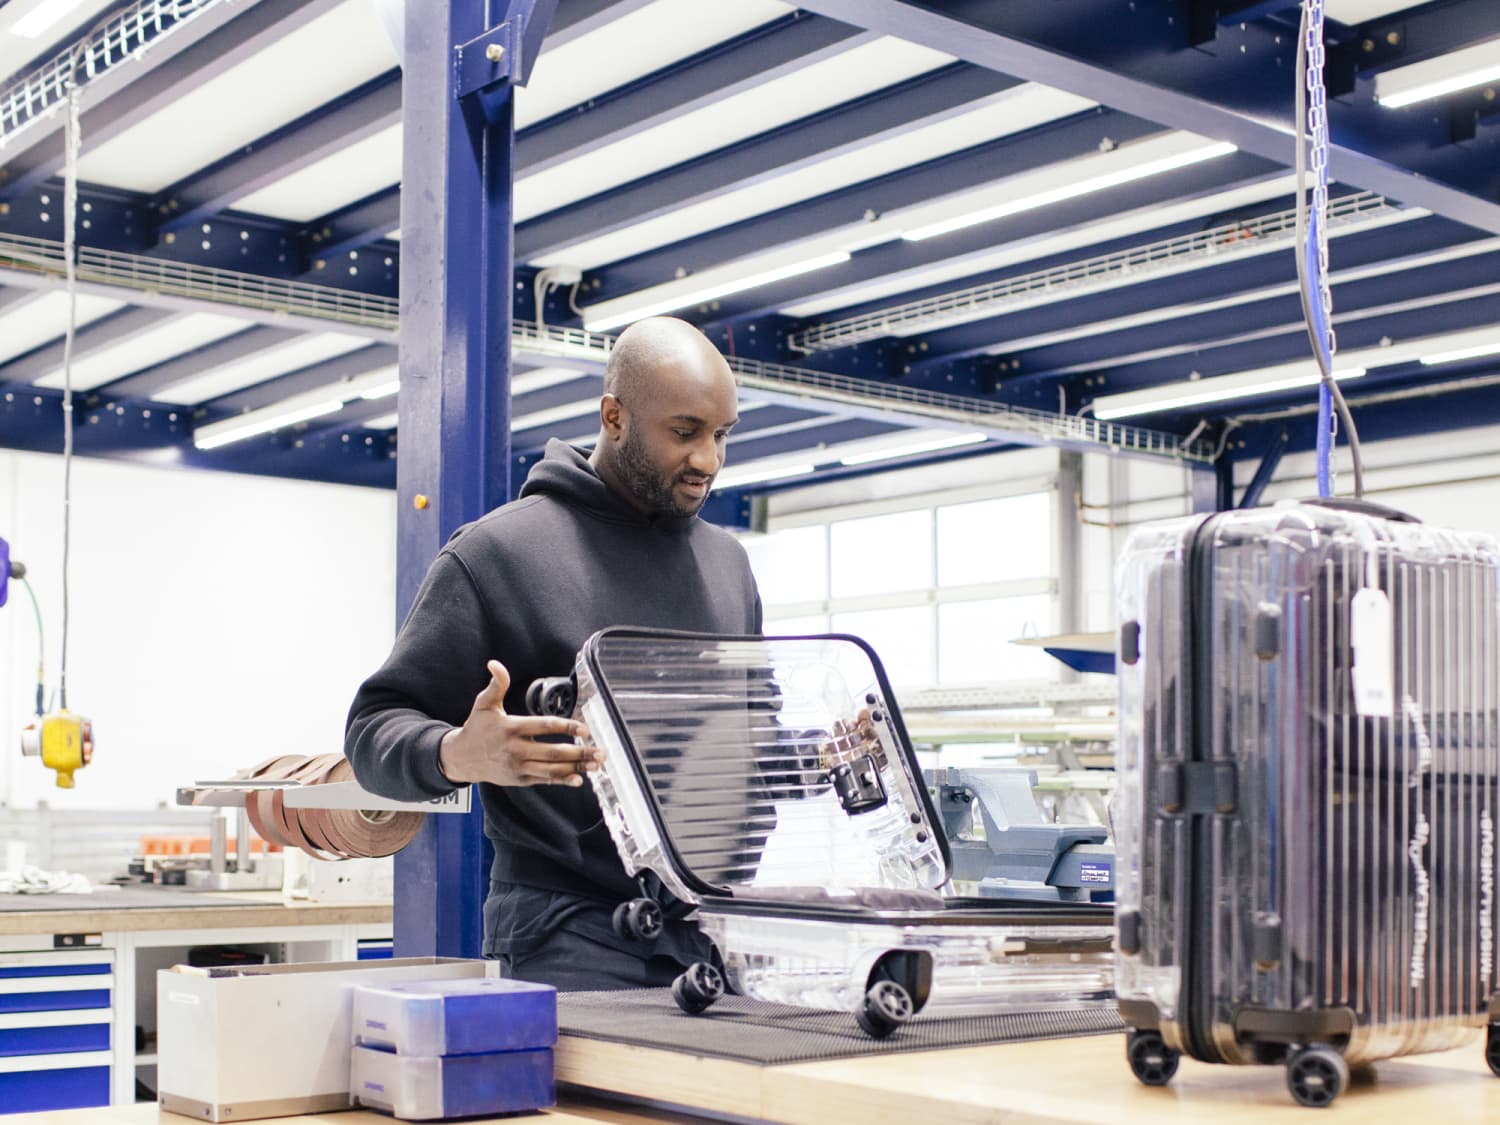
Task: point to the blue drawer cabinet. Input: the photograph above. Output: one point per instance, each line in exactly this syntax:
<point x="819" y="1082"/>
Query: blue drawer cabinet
<point x="55" y="1012"/>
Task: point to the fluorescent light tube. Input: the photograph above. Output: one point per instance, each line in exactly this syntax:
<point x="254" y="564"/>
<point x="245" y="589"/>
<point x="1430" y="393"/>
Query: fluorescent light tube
<point x="1461" y="353"/>
<point x="1078" y="186"/>
<point x="751" y="475"/>
<point x="1219" y="388"/>
<point x="261" y="422"/>
<point x="1446" y="74"/>
<point x="36" y="22"/>
<point x="384" y="422"/>
<point x="383" y="390"/>
<point x="951" y="441"/>
<point x="708" y="286"/>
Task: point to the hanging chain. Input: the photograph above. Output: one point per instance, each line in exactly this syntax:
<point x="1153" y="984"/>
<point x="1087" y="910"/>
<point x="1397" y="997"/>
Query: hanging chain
<point x="1317" y="124"/>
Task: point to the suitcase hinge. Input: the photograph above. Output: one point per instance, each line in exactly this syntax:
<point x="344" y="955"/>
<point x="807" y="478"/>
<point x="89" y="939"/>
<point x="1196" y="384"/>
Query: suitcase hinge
<point x="1198" y="788"/>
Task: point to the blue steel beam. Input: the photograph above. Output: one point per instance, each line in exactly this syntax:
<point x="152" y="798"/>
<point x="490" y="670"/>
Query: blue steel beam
<point x="159" y="78"/>
<point x="759" y="56"/>
<point x="162" y="438"/>
<point x="925" y="100"/>
<point x="1220" y="279"/>
<point x="964" y="171"/>
<point x="345" y="121"/>
<point x="341" y="426"/>
<point x="1136" y="63"/>
<point x="892" y="259"/>
<point x="1431" y="407"/>
<point x="349" y="228"/>
<point x="1440" y="298"/>
<point x="100" y="335"/>
<point x="1266" y="470"/>
<point x="242" y="345"/>
<point x="456" y="295"/>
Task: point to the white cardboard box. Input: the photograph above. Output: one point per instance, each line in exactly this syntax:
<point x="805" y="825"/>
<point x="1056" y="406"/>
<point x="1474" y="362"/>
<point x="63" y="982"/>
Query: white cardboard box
<point x="269" y="1040"/>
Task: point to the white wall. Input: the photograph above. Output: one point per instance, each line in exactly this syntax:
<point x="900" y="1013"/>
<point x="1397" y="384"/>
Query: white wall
<point x="215" y="619"/>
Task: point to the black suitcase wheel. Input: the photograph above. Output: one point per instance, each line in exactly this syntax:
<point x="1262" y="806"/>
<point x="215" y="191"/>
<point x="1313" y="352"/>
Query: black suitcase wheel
<point x="1151" y="1060"/>
<point x="697" y="988"/>
<point x="1316" y="1075"/>
<point x="1492" y="1048"/>
<point x="887" y="1006"/>
<point x="638" y="920"/>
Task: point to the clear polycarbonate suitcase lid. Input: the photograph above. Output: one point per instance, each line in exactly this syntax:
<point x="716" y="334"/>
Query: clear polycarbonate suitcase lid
<point x="752" y="765"/>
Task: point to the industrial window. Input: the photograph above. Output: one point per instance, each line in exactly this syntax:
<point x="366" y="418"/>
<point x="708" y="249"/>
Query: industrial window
<point x="938" y="589"/>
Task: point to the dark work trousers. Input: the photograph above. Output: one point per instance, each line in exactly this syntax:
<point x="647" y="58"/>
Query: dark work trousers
<point x="571" y="962"/>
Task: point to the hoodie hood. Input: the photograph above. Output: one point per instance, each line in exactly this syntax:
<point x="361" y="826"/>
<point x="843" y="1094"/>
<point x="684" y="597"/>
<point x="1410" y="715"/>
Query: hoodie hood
<point x="565" y="472"/>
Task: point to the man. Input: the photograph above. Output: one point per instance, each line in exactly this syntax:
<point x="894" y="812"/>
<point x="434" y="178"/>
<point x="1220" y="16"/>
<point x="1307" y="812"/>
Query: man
<point x="611" y="539"/>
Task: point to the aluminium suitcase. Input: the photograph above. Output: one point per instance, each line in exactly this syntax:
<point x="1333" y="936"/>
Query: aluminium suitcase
<point x="768" y="785"/>
<point x="1308" y="779"/>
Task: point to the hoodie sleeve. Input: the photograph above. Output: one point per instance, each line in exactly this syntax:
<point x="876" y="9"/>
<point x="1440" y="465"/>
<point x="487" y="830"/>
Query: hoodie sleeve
<point x="425" y="688"/>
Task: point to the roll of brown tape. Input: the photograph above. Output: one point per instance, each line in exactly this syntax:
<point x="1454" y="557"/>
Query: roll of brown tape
<point x="258" y="805"/>
<point x="361" y="833"/>
<point x="331" y="834"/>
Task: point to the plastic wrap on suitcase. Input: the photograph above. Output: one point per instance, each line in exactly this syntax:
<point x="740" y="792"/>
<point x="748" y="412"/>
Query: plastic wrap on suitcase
<point x="770" y="784"/>
<point x="1309" y="777"/>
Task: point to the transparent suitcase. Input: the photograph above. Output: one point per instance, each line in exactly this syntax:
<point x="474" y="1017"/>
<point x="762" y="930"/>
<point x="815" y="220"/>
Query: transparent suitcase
<point x="768" y="785"/>
<point x="1309" y="769"/>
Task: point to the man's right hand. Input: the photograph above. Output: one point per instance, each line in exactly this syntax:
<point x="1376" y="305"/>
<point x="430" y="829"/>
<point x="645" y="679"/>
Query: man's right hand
<point x="502" y="749"/>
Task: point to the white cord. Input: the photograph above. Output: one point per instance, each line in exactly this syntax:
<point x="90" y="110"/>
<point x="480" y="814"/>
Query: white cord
<point x="70" y="224"/>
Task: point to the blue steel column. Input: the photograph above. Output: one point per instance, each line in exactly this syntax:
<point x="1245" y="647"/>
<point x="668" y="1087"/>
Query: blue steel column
<point x="456" y="267"/>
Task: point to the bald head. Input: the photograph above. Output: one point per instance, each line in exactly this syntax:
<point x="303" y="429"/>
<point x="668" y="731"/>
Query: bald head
<point x="669" y="404"/>
<point x="654" y="353"/>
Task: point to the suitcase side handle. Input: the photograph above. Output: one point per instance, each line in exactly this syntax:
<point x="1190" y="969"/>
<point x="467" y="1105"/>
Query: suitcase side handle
<point x="1361" y="508"/>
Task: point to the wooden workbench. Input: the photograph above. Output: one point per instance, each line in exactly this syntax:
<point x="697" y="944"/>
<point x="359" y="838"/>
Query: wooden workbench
<point x="48" y="914"/>
<point x="1056" y="1082"/>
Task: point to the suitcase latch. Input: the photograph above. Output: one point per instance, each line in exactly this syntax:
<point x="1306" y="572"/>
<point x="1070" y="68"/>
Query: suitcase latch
<point x="1198" y="788"/>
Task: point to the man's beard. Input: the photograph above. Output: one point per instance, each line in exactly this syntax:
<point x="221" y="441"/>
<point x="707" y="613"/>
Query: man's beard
<point x="646" y="483"/>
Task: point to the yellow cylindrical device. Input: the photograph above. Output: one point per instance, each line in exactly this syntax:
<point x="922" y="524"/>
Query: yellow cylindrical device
<point x="64" y="740"/>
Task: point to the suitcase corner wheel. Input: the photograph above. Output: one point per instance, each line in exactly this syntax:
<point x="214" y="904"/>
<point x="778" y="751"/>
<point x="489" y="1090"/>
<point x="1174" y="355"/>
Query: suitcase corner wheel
<point x="1492" y="1048"/>
<point x="697" y="988"/>
<point x="887" y="1006"/>
<point x="640" y="919"/>
<point x="1151" y="1060"/>
<point x="1316" y="1075"/>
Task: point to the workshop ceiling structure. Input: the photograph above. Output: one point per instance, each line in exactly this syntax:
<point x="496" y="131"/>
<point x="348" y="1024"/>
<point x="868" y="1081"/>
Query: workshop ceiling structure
<point x="920" y="231"/>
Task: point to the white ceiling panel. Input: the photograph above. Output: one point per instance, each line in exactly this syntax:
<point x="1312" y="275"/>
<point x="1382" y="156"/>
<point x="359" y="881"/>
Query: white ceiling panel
<point x="657" y="35"/>
<point x="854" y="73"/>
<point x="1355" y="12"/>
<point x="348" y="175"/>
<point x="45" y="319"/>
<point x="291" y="356"/>
<point x="1015" y="110"/>
<point x="1076" y="238"/>
<point x="327" y="57"/>
<point x="384" y="422"/>
<point x="171" y="338"/>
<point x="17" y="50"/>
<point x="525" y="382"/>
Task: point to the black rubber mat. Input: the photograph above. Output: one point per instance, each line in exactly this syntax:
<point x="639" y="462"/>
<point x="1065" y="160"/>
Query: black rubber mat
<point x="772" y="1034"/>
